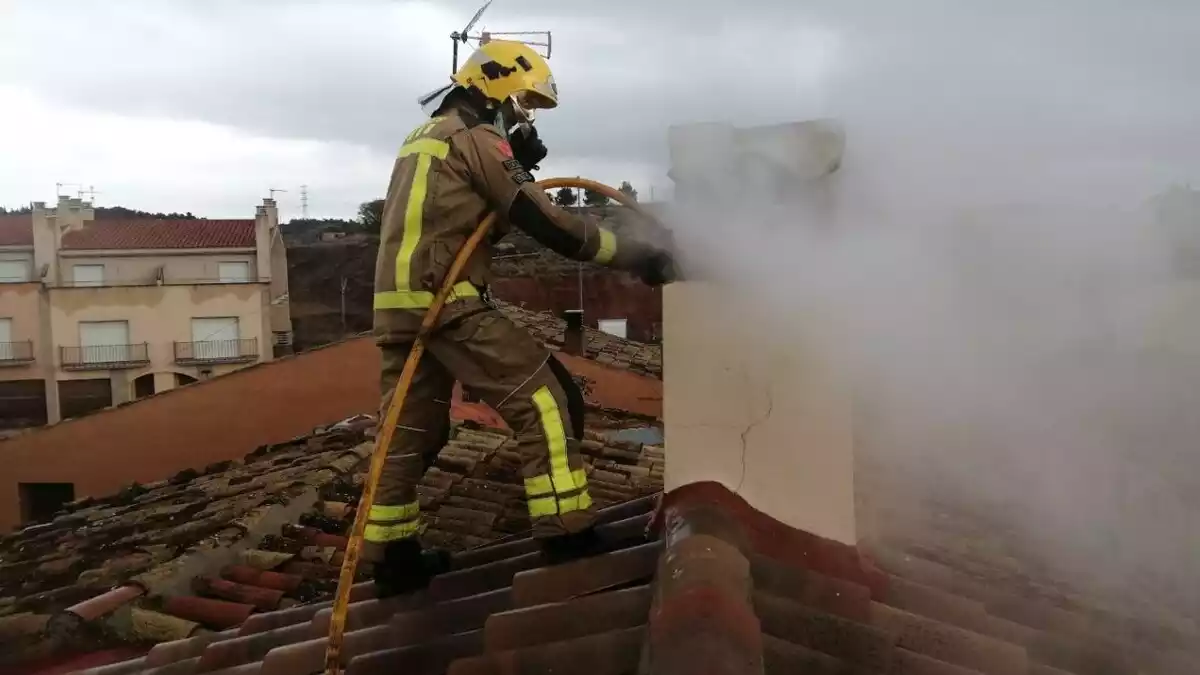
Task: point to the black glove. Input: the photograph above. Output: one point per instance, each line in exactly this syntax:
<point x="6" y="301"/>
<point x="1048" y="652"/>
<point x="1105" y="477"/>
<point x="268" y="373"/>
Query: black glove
<point x="527" y="148"/>
<point x="657" y="269"/>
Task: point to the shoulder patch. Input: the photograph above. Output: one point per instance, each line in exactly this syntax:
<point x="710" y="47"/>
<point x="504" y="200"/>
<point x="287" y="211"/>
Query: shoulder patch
<point x="505" y="149"/>
<point x="522" y="177"/>
<point x="513" y="165"/>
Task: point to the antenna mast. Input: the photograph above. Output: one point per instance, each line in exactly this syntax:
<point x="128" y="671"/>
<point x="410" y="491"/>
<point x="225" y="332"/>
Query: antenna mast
<point x="465" y="34"/>
<point x="58" y="188"/>
<point x="304" y="202"/>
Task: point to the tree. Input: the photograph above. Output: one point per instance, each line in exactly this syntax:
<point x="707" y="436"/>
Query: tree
<point x="594" y="198"/>
<point x="124" y="213"/>
<point x="370" y="216"/>
<point x="565" y="197"/>
<point x="16" y="212"/>
<point x="628" y="190"/>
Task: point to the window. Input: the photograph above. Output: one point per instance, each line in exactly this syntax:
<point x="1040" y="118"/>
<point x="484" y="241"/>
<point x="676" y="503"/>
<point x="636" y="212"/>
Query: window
<point x="14" y="271"/>
<point x="40" y="501"/>
<point x="88" y="275"/>
<point x="104" y="341"/>
<point x="618" y="327"/>
<point x="233" y="272"/>
<point x="216" y="338"/>
<point x="6" y="345"/>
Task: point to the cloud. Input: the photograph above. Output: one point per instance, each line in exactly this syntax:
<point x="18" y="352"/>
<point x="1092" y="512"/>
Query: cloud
<point x="174" y="165"/>
<point x="1073" y="79"/>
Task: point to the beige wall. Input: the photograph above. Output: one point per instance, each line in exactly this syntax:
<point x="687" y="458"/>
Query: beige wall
<point x="143" y="269"/>
<point x="158" y="315"/>
<point x="19" y="302"/>
<point x="758" y="409"/>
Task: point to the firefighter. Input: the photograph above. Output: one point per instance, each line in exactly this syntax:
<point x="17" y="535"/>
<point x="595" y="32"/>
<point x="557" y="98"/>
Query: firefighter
<point x="473" y="157"/>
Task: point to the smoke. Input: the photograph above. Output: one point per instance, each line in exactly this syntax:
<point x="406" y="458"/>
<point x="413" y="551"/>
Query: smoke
<point x="1022" y="336"/>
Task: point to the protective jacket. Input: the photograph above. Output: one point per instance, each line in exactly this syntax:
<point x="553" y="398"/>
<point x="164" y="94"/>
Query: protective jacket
<point x="450" y="173"/>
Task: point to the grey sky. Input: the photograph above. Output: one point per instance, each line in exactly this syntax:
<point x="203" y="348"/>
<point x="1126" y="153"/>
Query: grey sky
<point x="1095" y="95"/>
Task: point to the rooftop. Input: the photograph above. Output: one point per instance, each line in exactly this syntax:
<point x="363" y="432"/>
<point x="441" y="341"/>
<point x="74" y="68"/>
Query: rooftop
<point x="209" y="550"/>
<point x="160" y="234"/>
<point x="701" y="584"/>
<point x="16" y="230"/>
<point x="601" y="347"/>
<point x="137" y="234"/>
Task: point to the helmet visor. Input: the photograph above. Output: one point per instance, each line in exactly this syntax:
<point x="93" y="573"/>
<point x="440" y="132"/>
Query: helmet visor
<point x="525" y="104"/>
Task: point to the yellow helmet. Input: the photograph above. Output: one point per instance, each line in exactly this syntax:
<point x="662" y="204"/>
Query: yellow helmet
<point x="503" y="69"/>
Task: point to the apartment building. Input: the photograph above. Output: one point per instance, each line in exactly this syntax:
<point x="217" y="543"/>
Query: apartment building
<point x="98" y="313"/>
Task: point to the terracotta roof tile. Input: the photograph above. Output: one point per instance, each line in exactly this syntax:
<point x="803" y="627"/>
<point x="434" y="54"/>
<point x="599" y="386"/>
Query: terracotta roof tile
<point x="160" y="234"/>
<point x="16" y="230"/>
<point x="607" y="349"/>
<point x="716" y="593"/>
<point x="714" y="586"/>
<point x="154" y="533"/>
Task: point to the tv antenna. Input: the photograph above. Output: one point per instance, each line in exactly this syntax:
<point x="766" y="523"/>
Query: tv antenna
<point x="485" y="36"/>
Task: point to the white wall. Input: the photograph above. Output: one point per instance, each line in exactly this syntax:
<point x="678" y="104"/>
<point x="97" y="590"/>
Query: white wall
<point x="759" y="407"/>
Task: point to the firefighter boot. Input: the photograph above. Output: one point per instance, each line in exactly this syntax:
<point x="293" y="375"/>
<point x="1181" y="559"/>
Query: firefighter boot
<point x="565" y="548"/>
<point x="406" y="567"/>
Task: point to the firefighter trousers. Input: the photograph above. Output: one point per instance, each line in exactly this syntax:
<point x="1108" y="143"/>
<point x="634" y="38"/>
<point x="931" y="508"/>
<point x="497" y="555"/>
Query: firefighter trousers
<point x="504" y="366"/>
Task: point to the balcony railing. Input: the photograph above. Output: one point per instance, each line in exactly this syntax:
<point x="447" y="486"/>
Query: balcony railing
<point x="104" y="357"/>
<point x="216" y="351"/>
<point x="16" y="353"/>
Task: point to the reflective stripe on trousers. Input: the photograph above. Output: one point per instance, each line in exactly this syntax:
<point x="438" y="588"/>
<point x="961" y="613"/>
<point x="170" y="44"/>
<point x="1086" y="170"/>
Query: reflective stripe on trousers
<point x="404" y="297"/>
<point x="562" y="490"/>
<point x="390" y="523"/>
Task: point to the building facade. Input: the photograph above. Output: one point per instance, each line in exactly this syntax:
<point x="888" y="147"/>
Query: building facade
<point x="98" y="313"/>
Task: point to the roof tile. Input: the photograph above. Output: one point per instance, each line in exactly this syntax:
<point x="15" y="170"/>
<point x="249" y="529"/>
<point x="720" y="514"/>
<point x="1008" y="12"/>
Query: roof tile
<point x="735" y="592"/>
<point x="855" y="643"/>
<point x="430" y="658"/>
<point x="611" y="653"/>
<point x="583" y="577"/>
<point x="16" y="230"/>
<point x="160" y="234"/>
<point x="577" y="617"/>
<point x="602" y="347"/>
<point x="950" y="644"/>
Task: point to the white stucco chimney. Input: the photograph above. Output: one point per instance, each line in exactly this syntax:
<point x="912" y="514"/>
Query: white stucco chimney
<point x="752" y="399"/>
<point x="73" y="214"/>
<point x="46" y="239"/>
<point x="266" y="220"/>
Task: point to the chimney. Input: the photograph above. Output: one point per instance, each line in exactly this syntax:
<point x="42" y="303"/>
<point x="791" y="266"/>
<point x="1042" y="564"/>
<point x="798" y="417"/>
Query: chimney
<point x="573" y="334"/>
<point x="47" y="236"/>
<point x="73" y="214"/>
<point x="266" y="218"/>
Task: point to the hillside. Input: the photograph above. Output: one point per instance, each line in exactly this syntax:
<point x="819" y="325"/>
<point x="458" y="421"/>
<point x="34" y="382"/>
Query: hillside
<point x="527" y="275"/>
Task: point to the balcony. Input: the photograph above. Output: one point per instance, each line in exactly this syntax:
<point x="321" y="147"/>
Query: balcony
<point x="216" y="351"/>
<point x="16" y="353"/>
<point x="104" y="357"/>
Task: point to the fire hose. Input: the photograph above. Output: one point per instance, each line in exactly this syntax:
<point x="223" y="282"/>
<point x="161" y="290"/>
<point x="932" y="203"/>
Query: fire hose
<point x="341" y="602"/>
